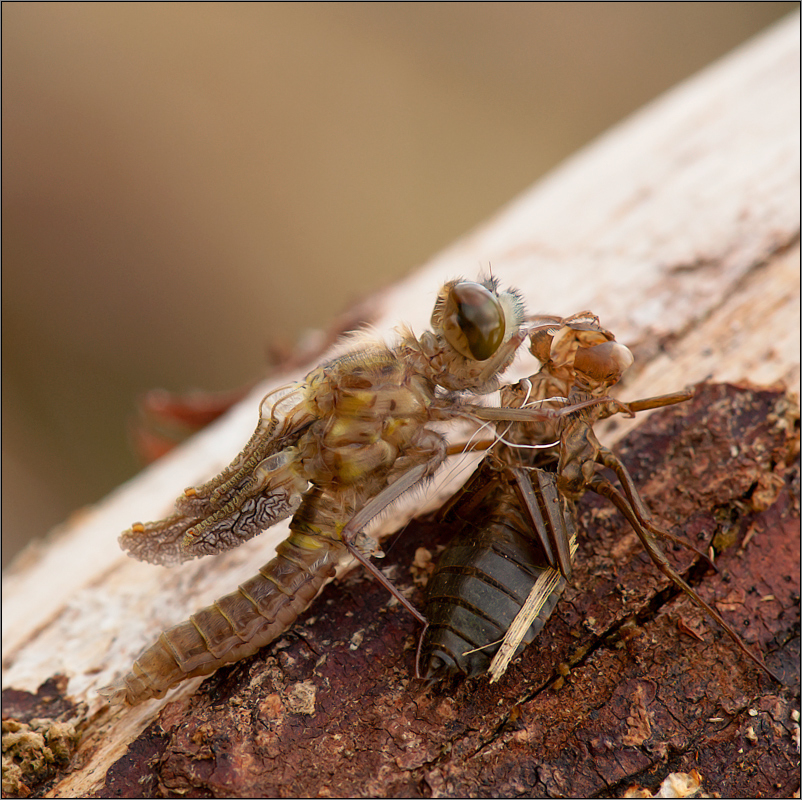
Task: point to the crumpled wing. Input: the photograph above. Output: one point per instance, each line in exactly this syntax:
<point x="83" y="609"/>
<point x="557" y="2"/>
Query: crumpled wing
<point x="262" y="486"/>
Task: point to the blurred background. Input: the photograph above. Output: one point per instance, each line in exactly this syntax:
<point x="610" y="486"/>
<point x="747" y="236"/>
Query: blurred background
<point x="189" y="188"/>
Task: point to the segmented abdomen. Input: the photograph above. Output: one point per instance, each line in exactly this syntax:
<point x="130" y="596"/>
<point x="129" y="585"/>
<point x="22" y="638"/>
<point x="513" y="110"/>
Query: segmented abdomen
<point x="236" y="625"/>
<point x="483" y="579"/>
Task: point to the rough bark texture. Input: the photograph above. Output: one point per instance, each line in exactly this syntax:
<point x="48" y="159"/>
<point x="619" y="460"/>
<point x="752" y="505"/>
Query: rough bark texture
<point x="333" y="709"/>
<point x="680" y="230"/>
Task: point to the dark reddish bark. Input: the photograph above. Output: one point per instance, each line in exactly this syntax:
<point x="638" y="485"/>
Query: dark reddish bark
<point x="643" y="698"/>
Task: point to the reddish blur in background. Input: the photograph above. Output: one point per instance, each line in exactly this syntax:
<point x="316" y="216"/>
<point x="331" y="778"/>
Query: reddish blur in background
<point x="187" y="184"/>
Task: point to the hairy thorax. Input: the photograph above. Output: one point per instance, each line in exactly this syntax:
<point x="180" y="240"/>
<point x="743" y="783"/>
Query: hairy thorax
<point x="370" y="410"/>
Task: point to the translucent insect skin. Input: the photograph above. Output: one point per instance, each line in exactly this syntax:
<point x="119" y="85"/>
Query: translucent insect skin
<point x="580" y="361"/>
<point x="333" y="451"/>
<point x="515" y="533"/>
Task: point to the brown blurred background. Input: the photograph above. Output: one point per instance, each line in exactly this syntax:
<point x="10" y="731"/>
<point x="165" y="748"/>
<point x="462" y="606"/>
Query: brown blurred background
<point x="186" y="184"/>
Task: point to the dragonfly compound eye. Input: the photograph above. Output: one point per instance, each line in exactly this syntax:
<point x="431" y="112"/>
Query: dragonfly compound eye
<point x="473" y="322"/>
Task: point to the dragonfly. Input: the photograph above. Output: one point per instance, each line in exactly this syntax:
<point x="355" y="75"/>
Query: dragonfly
<point x="332" y="452"/>
<point x="501" y="575"/>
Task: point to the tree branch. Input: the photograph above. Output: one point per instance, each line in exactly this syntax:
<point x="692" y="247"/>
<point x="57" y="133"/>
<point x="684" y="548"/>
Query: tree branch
<point x="679" y="228"/>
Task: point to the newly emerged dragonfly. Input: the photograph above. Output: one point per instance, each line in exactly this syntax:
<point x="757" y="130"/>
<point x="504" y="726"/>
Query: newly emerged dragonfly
<point x="500" y="578"/>
<point x="333" y="451"/>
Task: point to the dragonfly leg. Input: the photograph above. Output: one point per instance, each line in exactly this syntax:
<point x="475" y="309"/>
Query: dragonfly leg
<point x="388" y="495"/>
<point x="612" y="462"/>
<point x="606" y="489"/>
<point x="546" y="517"/>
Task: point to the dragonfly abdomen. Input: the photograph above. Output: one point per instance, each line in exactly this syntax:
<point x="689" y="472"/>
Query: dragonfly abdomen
<point x="236" y="625"/>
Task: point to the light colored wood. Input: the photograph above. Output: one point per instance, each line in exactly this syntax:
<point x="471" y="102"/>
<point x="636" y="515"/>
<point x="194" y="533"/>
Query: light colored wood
<point x="679" y="228"/>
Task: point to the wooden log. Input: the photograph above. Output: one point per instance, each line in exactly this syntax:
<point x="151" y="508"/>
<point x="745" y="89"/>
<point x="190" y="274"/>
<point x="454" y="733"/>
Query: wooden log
<point x="680" y="229"/>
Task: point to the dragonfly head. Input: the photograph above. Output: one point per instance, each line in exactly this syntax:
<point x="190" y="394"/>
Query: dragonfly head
<point x="481" y="324"/>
